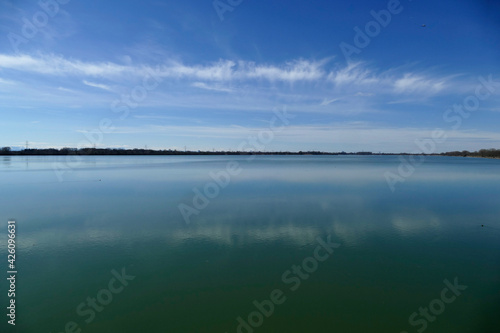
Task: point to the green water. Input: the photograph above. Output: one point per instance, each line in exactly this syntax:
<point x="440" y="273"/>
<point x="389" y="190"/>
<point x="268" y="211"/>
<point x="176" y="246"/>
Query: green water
<point x="395" y="249"/>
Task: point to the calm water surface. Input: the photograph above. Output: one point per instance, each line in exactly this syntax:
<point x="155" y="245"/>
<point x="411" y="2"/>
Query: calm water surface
<point x="76" y="225"/>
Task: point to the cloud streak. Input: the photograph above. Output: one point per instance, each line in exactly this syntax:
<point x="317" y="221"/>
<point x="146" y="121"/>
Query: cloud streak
<point x="300" y="70"/>
<point x="97" y="85"/>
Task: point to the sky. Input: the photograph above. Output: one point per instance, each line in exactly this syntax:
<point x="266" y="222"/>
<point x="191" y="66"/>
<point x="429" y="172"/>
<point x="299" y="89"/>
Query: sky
<point x="381" y="76"/>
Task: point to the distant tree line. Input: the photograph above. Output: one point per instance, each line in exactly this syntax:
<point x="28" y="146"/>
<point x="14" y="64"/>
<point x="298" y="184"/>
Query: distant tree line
<point x="487" y="153"/>
<point x="136" y="151"/>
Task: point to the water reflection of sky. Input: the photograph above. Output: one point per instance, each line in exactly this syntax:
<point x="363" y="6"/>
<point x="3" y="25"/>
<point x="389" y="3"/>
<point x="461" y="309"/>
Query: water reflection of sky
<point x="111" y="199"/>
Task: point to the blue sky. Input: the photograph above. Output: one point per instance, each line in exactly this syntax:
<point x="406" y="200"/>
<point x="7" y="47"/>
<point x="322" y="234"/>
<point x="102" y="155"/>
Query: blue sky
<point x="209" y="75"/>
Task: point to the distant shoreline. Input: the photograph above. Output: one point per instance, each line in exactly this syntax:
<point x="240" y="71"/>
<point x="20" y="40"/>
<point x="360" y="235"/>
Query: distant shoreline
<point x="483" y="153"/>
<point x="490" y="157"/>
<point x="185" y="153"/>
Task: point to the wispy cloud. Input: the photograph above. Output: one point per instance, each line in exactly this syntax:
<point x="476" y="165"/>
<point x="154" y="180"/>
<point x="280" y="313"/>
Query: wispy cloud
<point x="410" y="83"/>
<point x="223" y="70"/>
<point x="363" y="94"/>
<point x="57" y="65"/>
<point x="329" y="101"/>
<point x="206" y="86"/>
<point x="298" y="70"/>
<point x="97" y="85"/>
<point x="307" y="86"/>
<point x="66" y="90"/>
<point x="354" y="74"/>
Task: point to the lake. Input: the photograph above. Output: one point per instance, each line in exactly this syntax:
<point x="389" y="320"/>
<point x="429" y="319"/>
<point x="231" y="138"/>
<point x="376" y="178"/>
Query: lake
<point x="263" y="244"/>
